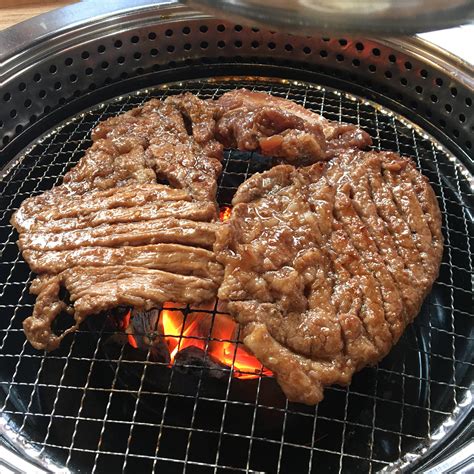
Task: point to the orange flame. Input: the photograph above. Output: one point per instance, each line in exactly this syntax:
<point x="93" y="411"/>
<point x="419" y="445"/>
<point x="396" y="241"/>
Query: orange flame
<point x="224" y="213"/>
<point x="125" y="325"/>
<point x="198" y="328"/>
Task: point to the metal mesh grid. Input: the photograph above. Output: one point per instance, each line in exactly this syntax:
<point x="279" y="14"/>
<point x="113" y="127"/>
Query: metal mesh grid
<point x="104" y="408"/>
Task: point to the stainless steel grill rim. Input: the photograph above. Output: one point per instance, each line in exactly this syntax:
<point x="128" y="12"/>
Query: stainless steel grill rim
<point x="435" y="340"/>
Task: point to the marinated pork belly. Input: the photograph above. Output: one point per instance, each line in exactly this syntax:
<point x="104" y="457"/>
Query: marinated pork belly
<point x="325" y="266"/>
<point x="283" y="129"/>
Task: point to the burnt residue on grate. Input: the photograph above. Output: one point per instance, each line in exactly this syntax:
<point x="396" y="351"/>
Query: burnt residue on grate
<point x="102" y="407"/>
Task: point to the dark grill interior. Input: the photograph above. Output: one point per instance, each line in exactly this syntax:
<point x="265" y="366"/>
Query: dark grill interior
<point x="97" y="406"/>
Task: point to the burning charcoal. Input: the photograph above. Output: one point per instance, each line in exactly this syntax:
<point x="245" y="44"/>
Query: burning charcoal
<point x="193" y="360"/>
<point x="145" y="332"/>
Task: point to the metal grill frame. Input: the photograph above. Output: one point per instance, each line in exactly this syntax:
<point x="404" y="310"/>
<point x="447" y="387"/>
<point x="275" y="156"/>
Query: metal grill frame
<point x="56" y="108"/>
<point x="331" y="105"/>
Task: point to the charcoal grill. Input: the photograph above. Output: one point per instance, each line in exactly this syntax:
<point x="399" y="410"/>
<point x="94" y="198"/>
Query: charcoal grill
<point x="94" y="407"/>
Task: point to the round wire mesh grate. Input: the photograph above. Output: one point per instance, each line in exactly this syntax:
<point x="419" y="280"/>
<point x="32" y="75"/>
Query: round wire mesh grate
<point x="96" y="407"/>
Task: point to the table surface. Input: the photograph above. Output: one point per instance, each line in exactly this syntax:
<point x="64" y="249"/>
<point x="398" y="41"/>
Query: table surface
<point x="14" y="11"/>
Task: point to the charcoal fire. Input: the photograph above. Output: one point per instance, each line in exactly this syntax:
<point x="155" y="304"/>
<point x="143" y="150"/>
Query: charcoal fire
<point x="193" y="340"/>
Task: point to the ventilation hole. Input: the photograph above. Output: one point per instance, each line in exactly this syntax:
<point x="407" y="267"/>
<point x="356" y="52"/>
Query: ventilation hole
<point x="42" y="94"/>
<point x="424" y="73"/>
<point x="388" y="74"/>
<point x="376" y="52"/>
<point x="326" y="39"/>
<point x="203" y="45"/>
<point x="323" y="53"/>
<point x="169" y="33"/>
<point x="419" y="89"/>
<point x="137" y="55"/>
<point x="456" y="133"/>
<point x="372" y="68"/>
<point x="203" y="29"/>
<point x="89" y="71"/>
<point x="152" y="36"/>
<point x="238" y="44"/>
<point x="68" y="61"/>
<point x="156" y="67"/>
<point x="255" y="44"/>
<point x="468" y="145"/>
<point x="170" y="48"/>
<point x="468" y="101"/>
<point x="220" y="28"/>
<point x="392" y="58"/>
<point x="92" y="87"/>
<point x="21" y="86"/>
<point x="186" y="30"/>
<point x="19" y="128"/>
<point x="73" y="77"/>
<point x="85" y="55"/>
<point x="105" y="64"/>
<point x="288" y="47"/>
<point x="33" y="118"/>
<point x="434" y="98"/>
<point x="6" y="139"/>
<point x="448" y="108"/>
<point x="153" y="52"/>
<point x="47" y="109"/>
<point x="57" y="85"/>
<point x="271" y="45"/>
<point x="356" y="62"/>
<point x="462" y="118"/>
<point x="340" y="57"/>
<point x="408" y="65"/>
<point x="454" y="91"/>
<point x="187" y="46"/>
<point x="238" y="27"/>
<point x="439" y="81"/>
<point x="403" y="81"/>
<point x="1" y="124"/>
<point x="62" y="101"/>
<point x="53" y="69"/>
<point x="307" y="50"/>
<point x="118" y="44"/>
<point x="135" y="39"/>
<point x="221" y="44"/>
<point x="359" y="46"/>
<point x="37" y="77"/>
<point x="121" y="59"/>
<point x="343" y="42"/>
<point x="13" y="113"/>
<point x="139" y="70"/>
<point x="442" y="122"/>
<point x="255" y="30"/>
<point x="27" y="103"/>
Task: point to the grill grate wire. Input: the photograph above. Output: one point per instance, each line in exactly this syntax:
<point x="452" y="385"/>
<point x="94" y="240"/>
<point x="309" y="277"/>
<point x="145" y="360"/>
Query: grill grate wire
<point x="95" y="410"/>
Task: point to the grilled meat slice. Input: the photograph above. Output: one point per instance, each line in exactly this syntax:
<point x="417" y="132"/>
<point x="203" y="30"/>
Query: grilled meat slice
<point x="96" y="289"/>
<point x="112" y="234"/>
<point x="325" y="266"/>
<point x="281" y="128"/>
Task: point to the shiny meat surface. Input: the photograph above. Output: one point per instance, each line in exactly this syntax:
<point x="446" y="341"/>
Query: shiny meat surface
<point x="112" y="235"/>
<point x="325" y="266"/>
<point x="283" y="129"/>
